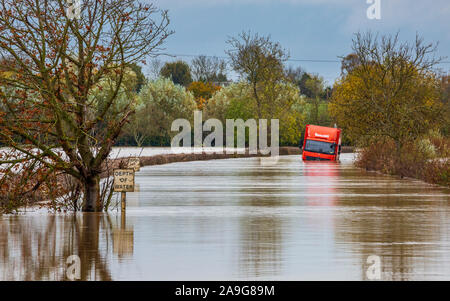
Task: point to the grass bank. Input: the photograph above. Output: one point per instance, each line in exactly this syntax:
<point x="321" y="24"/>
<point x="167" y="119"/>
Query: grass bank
<point x="426" y="159"/>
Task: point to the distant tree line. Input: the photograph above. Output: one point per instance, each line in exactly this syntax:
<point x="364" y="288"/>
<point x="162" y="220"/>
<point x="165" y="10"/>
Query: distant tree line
<point x="267" y="88"/>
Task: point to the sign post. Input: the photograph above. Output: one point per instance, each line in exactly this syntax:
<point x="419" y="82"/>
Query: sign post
<point x="123" y="182"/>
<point x="123" y="201"/>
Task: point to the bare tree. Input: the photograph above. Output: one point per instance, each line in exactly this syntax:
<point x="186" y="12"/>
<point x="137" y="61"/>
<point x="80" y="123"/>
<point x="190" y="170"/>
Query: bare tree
<point x="155" y="67"/>
<point x="209" y="69"/>
<point x="56" y="63"/>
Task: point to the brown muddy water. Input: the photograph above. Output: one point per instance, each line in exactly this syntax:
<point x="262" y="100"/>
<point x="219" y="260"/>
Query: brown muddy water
<point x="243" y="219"/>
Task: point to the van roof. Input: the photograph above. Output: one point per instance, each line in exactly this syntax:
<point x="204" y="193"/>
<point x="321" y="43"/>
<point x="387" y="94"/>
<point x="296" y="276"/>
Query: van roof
<point x="321" y="132"/>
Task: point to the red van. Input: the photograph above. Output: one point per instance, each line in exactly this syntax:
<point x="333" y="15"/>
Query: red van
<point x="321" y="143"/>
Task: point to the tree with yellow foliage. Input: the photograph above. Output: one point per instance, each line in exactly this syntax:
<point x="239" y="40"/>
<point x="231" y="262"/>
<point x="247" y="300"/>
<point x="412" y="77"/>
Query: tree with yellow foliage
<point x="202" y="92"/>
<point x="392" y="92"/>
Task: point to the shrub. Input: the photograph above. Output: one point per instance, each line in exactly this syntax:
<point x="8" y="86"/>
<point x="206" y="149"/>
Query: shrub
<point x="426" y="159"/>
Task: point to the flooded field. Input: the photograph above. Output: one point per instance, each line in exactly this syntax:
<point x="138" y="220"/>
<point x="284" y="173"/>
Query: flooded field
<point x="243" y="219"/>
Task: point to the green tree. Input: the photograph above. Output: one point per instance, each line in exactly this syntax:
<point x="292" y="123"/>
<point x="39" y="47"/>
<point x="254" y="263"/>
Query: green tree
<point x="312" y="88"/>
<point x="316" y="86"/>
<point x="299" y="77"/>
<point x="160" y="103"/>
<point x="179" y="72"/>
<point x="140" y="77"/>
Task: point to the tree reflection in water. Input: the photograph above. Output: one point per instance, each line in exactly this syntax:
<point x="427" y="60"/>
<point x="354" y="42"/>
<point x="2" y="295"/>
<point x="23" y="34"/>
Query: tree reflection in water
<point x="37" y="247"/>
<point x="261" y="236"/>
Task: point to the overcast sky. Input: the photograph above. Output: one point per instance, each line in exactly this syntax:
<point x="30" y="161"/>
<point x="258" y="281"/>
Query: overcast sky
<point x="308" y="29"/>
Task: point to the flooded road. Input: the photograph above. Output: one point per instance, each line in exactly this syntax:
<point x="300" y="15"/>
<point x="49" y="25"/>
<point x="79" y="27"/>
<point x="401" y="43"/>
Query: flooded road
<point x="243" y="219"/>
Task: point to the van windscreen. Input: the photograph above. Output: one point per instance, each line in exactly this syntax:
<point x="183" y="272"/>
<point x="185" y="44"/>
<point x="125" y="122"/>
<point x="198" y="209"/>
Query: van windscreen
<point x="320" y="147"/>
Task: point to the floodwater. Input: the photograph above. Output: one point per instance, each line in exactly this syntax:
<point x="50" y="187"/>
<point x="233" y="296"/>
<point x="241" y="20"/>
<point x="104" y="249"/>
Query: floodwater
<point x="243" y="219"/>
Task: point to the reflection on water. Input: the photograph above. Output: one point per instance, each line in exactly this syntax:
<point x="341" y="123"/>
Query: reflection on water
<point x="36" y="247"/>
<point x="242" y="220"/>
<point x="260" y="236"/>
<point x="321" y="179"/>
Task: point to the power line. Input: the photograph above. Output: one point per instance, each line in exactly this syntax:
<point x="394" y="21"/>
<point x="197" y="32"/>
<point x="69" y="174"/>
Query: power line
<point x="225" y="57"/>
<point x="289" y="60"/>
<point x="195" y="55"/>
<point x="313" y="61"/>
